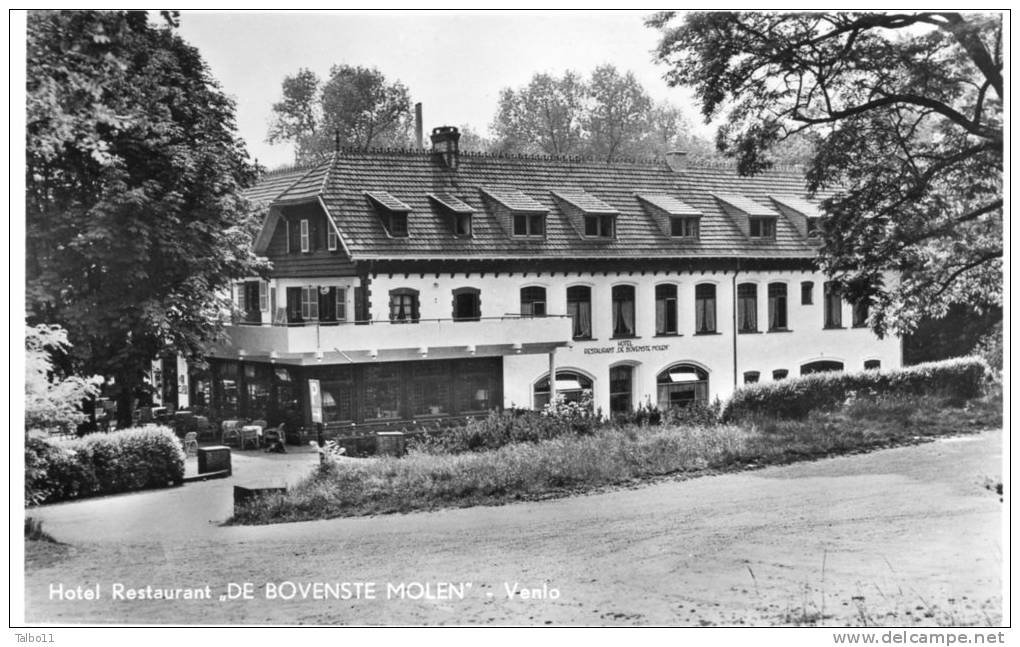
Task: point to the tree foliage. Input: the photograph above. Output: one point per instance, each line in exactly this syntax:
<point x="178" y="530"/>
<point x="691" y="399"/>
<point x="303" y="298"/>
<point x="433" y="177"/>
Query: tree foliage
<point x="356" y="105"/>
<point x="607" y="116"/>
<point x="135" y="224"/>
<point x="904" y="118"/>
<point x="52" y="402"/>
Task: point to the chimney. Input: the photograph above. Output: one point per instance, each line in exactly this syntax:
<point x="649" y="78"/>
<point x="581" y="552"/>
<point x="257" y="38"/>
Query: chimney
<point x="418" y="133"/>
<point x="446" y="145"/>
<point x="676" y="160"/>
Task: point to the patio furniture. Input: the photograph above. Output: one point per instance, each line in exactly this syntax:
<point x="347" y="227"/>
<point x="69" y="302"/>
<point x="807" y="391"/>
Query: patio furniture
<point x="190" y="443"/>
<point x="250" y="435"/>
<point x="231" y="432"/>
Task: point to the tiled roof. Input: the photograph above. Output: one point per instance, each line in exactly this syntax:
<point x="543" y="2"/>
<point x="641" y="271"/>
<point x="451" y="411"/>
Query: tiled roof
<point x="387" y="200"/>
<point x="451" y="202"/>
<point x="748" y="206"/>
<point x="308" y="185"/>
<point x="585" y="202"/>
<point x="669" y="204"/>
<point x="272" y="184"/>
<point x="797" y="204"/>
<point x="527" y="183"/>
<point x="514" y="199"/>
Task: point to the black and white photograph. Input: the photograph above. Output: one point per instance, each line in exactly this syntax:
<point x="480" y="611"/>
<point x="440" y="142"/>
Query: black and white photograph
<point x="495" y="318"/>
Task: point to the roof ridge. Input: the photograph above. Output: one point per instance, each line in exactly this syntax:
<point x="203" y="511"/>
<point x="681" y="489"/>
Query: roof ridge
<point x="539" y="157"/>
<point x="325" y="161"/>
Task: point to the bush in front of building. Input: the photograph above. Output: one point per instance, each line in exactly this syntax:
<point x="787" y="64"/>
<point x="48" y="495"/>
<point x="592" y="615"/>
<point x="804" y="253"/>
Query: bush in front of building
<point x="104" y="463"/>
<point x="959" y="379"/>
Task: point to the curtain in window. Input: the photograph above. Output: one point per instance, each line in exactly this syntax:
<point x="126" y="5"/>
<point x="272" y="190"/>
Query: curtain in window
<point x="747" y="307"/>
<point x="833" y="306"/>
<point x="660" y="316"/>
<point x="579" y="308"/>
<point x="704" y="308"/>
<point x="777" y="306"/>
<point x="623" y="310"/>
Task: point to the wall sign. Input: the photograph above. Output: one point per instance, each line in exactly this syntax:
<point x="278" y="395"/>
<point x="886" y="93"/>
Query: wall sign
<point x="315" y="399"/>
<point x="626" y="346"/>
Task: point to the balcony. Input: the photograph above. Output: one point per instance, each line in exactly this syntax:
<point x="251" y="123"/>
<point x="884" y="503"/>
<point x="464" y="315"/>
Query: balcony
<point x="378" y="341"/>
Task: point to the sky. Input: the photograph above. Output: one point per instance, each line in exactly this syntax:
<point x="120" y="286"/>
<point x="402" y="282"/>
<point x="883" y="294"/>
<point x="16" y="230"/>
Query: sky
<point x="455" y="64"/>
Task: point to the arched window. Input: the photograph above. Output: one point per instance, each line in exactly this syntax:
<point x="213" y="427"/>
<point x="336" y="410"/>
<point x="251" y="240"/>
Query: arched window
<point x="821" y="366"/>
<point x="533" y="301"/>
<point x="620" y="389"/>
<point x="623" y="311"/>
<point x="404" y="305"/>
<point x="807" y="293"/>
<point x="833" y="305"/>
<point x="747" y="307"/>
<point x="777" y="306"/>
<point x="570" y="385"/>
<point x="704" y="308"/>
<point x="579" y="309"/>
<point x="860" y="314"/>
<point x="681" y="385"/>
<point x="467" y="304"/>
<point x="665" y="309"/>
<point x="780" y="374"/>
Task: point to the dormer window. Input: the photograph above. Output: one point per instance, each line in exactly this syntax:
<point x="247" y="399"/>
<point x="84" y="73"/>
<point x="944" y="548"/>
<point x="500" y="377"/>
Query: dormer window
<point x="603" y="226"/>
<point x="762" y="227"/>
<point x="683" y="227"/>
<point x="813" y="231"/>
<point x="458" y="212"/>
<point x="331" y="240"/>
<point x="532" y="224"/>
<point x="392" y="212"/>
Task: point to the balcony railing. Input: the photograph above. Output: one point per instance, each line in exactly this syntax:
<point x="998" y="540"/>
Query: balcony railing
<point x="365" y="340"/>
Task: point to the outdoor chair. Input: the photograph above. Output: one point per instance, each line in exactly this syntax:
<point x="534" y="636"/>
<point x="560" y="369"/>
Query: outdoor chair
<point x="190" y="443"/>
<point x="231" y="434"/>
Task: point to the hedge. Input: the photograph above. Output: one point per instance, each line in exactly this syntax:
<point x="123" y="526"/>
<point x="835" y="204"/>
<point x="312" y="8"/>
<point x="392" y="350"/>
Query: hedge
<point x="960" y="378"/>
<point x="102" y="463"/>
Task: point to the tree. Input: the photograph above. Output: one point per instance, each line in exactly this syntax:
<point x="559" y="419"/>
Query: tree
<point x="905" y="111"/>
<point x="356" y="104"/>
<point x="543" y="117"/>
<point x="134" y="220"/>
<point x="52" y="402"/>
<point x="618" y="113"/>
<point x="472" y="140"/>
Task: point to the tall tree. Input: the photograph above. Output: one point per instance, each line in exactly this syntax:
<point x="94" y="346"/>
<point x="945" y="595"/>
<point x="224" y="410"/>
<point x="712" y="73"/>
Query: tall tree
<point x="906" y="112"/>
<point x="618" y="113"/>
<point x="135" y="224"/>
<point x="545" y="116"/>
<point x="355" y="103"/>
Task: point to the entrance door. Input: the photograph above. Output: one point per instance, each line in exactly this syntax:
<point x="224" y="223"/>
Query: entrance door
<point x="620" y="389"/>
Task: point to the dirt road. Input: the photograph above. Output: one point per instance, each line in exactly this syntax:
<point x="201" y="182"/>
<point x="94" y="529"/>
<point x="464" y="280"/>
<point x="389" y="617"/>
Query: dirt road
<point x="901" y="536"/>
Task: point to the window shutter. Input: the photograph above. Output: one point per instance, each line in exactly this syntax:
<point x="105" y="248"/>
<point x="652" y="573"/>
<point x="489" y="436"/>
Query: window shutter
<point x="239" y="296"/>
<point x="341" y="304"/>
<point x="263" y="296"/>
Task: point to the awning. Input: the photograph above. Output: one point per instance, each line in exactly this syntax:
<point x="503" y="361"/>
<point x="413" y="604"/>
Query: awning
<point x="684" y="377"/>
<point x="568" y="385"/>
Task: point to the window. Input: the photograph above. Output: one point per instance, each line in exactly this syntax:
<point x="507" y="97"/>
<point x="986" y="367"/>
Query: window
<point x="327" y="304"/>
<point x="777" y="306"/>
<point x="466" y="304"/>
<point x="780" y="374"/>
<point x="294" y="305"/>
<point x="821" y="366"/>
<point x="383" y="398"/>
<point x="833" y="305"/>
<point x="813" y="231"/>
<point x="404" y="306"/>
<point x="681" y="385"/>
<point x="309" y="303"/>
<point x="529" y="224"/>
<point x="337" y="400"/>
<point x="620" y="399"/>
<point x="872" y="365"/>
<point x="341" y="304"/>
<point x="763" y="227"/>
<point x="683" y="227"/>
<point x="751" y="377"/>
<point x="807" y="293"/>
<point x="747" y="307"/>
<point x="704" y="309"/>
<point x="860" y="314"/>
<point x="477" y="385"/>
<point x="579" y="309"/>
<point x="600" y="226"/>
<point x="570" y="386"/>
<point x="430" y="389"/>
<point x="306" y="243"/>
<point x="331" y="239"/>
<point x="462" y="225"/>
<point x="623" y="311"/>
<point x="665" y="309"/>
<point x="533" y="302"/>
<point x="250" y="293"/>
<point x="397" y="224"/>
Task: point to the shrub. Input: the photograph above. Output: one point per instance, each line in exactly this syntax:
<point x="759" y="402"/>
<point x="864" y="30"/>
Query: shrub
<point x="960" y="379"/>
<point x="107" y="463"/>
<point x="990" y="348"/>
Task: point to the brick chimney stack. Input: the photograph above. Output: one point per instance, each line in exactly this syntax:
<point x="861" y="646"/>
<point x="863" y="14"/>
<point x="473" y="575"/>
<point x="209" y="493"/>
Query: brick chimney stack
<point x="446" y="145"/>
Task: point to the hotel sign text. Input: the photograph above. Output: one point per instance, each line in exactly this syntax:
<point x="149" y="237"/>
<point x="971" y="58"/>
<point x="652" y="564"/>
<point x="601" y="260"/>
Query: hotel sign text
<point x="625" y="346"/>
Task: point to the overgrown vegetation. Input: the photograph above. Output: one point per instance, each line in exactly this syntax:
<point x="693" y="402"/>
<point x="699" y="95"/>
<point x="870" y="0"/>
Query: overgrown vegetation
<point x="539" y="463"/>
<point x="958" y="379"/>
<point x="108" y="463"/>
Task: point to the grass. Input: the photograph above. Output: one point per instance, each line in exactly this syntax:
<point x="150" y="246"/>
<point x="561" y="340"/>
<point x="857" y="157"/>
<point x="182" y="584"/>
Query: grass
<point x="613" y="456"/>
